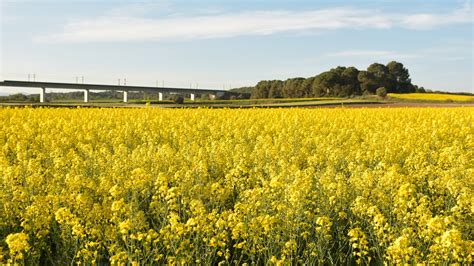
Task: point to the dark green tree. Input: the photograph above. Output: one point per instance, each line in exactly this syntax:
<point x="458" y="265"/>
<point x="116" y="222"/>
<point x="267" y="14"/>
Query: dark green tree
<point x="306" y="87"/>
<point x="367" y="82"/>
<point x="323" y="84"/>
<point x="379" y="74"/>
<point x="340" y="81"/>
<point x="275" y="90"/>
<point x="399" y="78"/>
<point x="261" y="90"/>
<point x="292" y="88"/>
<point x="351" y="81"/>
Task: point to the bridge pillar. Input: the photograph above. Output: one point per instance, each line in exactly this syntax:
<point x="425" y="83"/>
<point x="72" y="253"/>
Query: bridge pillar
<point x="160" y="96"/>
<point x="42" y="95"/>
<point x="125" y="96"/>
<point x="192" y="96"/>
<point x="86" y="95"/>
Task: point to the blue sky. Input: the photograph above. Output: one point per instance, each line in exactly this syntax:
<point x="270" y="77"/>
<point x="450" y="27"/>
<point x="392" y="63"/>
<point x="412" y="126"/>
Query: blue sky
<point x="216" y="44"/>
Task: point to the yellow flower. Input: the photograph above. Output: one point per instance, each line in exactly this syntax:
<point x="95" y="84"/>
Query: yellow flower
<point x="237" y="186"/>
<point x="17" y="244"/>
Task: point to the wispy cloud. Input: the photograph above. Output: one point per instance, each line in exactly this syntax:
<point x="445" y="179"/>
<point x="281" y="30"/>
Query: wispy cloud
<point x="434" y="54"/>
<point x="428" y="21"/>
<point x="381" y="54"/>
<point x="140" y="9"/>
<point x="111" y="28"/>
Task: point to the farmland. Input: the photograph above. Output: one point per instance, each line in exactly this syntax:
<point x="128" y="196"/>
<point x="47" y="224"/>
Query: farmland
<point x="234" y="186"/>
<point x="433" y="97"/>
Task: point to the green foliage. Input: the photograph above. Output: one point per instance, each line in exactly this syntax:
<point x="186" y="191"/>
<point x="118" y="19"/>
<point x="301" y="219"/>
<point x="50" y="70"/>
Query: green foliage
<point x="19" y="97"/>
<point x="292" y="88"/>
<point x="239" y="93"/>
<point x="419" y="89"/>
<point x="340" y="82"/>
<point x="178" y="99"/>
<point x="381" y="92"/>
<point x="52" y="96"/>
<point x="242" y="90"/>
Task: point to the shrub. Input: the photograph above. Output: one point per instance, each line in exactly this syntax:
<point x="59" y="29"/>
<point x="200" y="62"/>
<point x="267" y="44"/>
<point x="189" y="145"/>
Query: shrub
<point x="381" y="92"/>
<point x="178" y="99"/>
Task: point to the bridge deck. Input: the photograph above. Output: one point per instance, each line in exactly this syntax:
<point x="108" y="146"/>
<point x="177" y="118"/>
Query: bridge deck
<point x="80" y="86"/>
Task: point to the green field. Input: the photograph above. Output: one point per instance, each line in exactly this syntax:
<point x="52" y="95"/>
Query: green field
<point x="370" y="100"/>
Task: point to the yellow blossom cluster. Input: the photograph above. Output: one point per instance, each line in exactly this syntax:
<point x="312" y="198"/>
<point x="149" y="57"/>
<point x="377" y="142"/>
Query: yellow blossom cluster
<point x="433" y="97"/>
<point x="257" y="186"/>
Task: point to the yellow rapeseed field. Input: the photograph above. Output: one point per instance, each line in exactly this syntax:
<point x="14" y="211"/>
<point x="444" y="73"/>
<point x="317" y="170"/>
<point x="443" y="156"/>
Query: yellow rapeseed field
<point x="432" y="97"/>
<point x="259" y="186"/>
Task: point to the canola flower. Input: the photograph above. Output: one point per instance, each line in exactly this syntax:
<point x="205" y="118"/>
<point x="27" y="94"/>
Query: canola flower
<point x="259" y="186"/>
<point x="433" y="97"/>
<point x="17" y="244"/>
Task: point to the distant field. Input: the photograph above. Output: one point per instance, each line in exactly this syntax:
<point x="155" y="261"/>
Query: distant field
<point x="395" y="100"/>
<point x="433" y="97"/>
<point x="284" y="102"/>
<point x="246" y="102"/>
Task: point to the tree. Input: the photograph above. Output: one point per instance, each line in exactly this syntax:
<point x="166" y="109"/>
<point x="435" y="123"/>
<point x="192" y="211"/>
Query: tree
<point x="351" y="81"/>
<point x="379" y="75"/>
<point x="382" y="92"/>
<point x="306" y="87"/>
<point x="340" y="81"/>
<point x="275" y="89"/>
<point x="367" y="82"/>
<point x="399" y="78"/>
<point x="261" y="90"/>
<point x="324" y="84"/>
<point x="292" y="88"/>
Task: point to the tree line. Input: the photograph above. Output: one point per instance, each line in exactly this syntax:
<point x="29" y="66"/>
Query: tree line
<point x="340" y="82"/>
<point x="117" y="95"/>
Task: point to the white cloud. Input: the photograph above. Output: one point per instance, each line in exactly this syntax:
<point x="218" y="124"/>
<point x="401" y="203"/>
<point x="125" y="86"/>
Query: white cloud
<point x="428" y="21"/>
<point x="444" y="54"/>
<point x="112" y="28"/>
<point x="361" y="53"/>
<point x="373" y="54"/>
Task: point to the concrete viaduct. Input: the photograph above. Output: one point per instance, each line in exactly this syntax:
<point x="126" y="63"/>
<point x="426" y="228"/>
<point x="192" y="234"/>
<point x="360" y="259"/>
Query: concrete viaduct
<point x="97" y="87"/>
